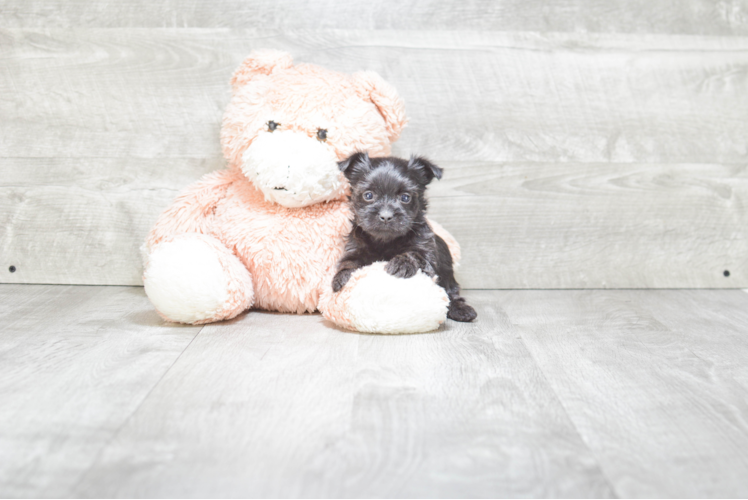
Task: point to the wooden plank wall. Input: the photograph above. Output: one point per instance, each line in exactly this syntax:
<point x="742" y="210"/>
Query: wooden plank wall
<point x="587" y="143"/>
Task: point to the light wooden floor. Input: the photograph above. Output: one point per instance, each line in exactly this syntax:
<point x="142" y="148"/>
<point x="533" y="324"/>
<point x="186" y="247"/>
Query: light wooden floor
<point x="551" y="393"/>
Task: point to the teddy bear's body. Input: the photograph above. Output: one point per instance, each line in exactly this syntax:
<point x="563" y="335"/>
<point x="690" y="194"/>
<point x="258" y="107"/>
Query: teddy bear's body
<point x="288" y="252"/>
<point x="268" y="231"/>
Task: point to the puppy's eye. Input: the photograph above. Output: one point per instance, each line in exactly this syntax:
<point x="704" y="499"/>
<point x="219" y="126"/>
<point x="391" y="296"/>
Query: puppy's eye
<point x="405" y="198"/>
<point x="322" y="134"/>
<point x="272" y="126"/>
<point x="368" y="196"/>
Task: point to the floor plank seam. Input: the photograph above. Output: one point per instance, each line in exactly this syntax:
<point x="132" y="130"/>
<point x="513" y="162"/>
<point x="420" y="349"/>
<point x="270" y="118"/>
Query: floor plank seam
<point x="566" y="412"/>
<point x="130" y="416"/>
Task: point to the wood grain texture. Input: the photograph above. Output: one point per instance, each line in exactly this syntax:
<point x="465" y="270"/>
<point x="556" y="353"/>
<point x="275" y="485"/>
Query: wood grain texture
<point x="596" y="226"/>
<point x="729" y="17"/>
<point x="278" y="405"/>
<point x="471" y="96"/>
<point x="82" y="221"/>
<point x="625" y="393"/>
<point x="520" y="225"/>
<point x="655" y="381"/>
<point x="75" y="363"/>
<point x="632" y="146"/>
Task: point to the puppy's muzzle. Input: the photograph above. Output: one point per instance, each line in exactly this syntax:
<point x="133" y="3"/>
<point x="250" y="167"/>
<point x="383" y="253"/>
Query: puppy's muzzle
<point x="386" y="215"/>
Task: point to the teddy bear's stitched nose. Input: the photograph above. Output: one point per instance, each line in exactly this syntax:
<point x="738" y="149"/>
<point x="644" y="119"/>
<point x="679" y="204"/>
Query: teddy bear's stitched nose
<point x="292" y="169"/>
<point x="281" y="188"/>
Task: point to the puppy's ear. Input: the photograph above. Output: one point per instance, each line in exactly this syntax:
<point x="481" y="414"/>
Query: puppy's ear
<point x="355" y="165"/>
<point x="424" y="169"/>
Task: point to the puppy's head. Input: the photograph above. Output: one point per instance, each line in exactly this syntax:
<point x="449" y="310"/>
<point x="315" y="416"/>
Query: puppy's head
<point x="387" y="194"/>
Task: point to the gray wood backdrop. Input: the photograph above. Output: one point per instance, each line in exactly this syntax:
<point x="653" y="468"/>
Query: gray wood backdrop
<point x="587" y="143"/>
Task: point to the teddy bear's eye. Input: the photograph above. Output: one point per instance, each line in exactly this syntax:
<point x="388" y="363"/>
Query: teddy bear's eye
<point x="272" y="126"/>
<point x="322" y="134"/>
<point x="368" y="196"/>
<point x="405" y="198"/>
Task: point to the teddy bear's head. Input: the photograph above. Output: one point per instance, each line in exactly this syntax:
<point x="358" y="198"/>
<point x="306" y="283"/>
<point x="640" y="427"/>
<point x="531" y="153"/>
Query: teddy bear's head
<point x="287" y="126"/>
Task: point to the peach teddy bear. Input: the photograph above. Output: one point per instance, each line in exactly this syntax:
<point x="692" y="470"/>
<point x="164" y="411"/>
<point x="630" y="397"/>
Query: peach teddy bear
<point x="267" y="231"/>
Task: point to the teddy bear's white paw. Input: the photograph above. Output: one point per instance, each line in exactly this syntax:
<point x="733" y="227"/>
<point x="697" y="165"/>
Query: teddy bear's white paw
<point x="195" y="279"/>
<point x="374" y="301"/>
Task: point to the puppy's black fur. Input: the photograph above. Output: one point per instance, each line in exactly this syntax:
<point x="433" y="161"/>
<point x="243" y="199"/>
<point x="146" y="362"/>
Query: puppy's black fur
<point x="389" y="207"/>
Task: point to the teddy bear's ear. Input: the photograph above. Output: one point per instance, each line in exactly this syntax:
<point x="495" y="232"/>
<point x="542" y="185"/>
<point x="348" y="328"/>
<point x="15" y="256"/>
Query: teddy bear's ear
<point x="384" y="96"/>
<point x="260" y="62"/>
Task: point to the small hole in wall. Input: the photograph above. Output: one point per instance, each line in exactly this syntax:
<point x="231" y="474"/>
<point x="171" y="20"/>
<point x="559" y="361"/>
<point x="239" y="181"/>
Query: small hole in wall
<point x="726" y="273"/>
<point x="12" y="269"/>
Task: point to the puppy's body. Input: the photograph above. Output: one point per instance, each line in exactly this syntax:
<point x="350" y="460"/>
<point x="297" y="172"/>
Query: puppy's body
<point x="389" y="206"/>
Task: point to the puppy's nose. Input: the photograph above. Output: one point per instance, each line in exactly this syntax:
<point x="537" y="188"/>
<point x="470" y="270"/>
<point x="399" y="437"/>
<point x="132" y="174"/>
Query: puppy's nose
<point x="385" y="215"/>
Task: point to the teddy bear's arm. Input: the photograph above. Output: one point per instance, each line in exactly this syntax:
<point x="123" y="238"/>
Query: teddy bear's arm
<point x="189" y="274"/>
<point x="374" y="301"/>
<point x="193" y="210"/>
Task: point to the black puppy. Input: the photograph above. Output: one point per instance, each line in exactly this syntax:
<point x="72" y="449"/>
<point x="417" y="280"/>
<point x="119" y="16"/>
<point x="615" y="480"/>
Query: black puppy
<point x="389" y="207"/>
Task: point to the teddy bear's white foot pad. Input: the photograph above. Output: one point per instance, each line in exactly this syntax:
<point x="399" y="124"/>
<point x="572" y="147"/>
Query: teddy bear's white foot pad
<point x="374" y="301"/>
<point x="194" y="279"/>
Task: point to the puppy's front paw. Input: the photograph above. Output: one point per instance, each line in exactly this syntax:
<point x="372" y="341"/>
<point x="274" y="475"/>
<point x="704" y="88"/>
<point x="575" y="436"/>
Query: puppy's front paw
<point x="402" y="266"/>
<point x="459" y="310"/>
<point x="340" y="279"/>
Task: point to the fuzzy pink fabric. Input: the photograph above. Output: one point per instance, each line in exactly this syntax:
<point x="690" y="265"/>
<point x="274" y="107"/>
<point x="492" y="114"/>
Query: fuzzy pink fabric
<point x="289" y="253"/>
<point x="334" y="305"/>
<point x="361" y="112"/>
<point x="240" y="291"/>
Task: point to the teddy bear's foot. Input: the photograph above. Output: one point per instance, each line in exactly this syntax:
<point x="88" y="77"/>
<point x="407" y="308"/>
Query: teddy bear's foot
<point x="194" y="278"/>
<point x="374" y="301"/>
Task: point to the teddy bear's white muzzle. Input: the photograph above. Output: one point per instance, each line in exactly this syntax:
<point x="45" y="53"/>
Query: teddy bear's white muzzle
<point x="293" y="169"/>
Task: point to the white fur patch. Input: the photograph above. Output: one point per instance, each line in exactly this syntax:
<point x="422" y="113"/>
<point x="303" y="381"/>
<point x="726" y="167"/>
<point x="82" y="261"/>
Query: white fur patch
<point x="382" y="303"/>
<point x="292" y="169"/>
<point x="185" y="280"/>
